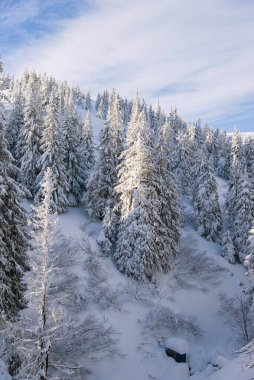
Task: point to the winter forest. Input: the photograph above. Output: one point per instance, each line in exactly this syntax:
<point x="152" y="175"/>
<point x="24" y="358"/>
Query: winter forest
<point x="121" y="226"/>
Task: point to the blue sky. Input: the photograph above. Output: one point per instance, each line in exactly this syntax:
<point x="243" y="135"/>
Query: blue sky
<point x="196" y="55"/>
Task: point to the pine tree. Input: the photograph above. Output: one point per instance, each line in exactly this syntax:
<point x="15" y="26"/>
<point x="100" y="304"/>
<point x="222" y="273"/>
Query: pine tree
<point x="228" y="249"/>
<point x="15" y="123"/>
<point x="74" y="162"/>
<point x="53" y="157"/>
<point x="133" y="125"/>
<point x="28" y="147"/>
<point x="249" y="159"/>
<point x="88" y="105"/>
<point x="222" y="163"/>
<point x="249" y="264"/>
<point x="13" y="233"/>
<point x="97" y="102"/>
<point x="237" y="153"/>
<point x="144" y="243"/>
<point x="166" y="187"/>
<point x="239" y="207"/>
<point x="182" y="164"/>
<point x="103" y="106"/>
<point x="175" y="121"/>
<point x="103" y="179"/>
<point x="86" y="146"/>
<point x="206" y="200"/>
<point x="159" y="118"/>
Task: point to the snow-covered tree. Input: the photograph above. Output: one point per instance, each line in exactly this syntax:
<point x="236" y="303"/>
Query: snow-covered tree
<point x="175" y="121"/>
<point x="222" y="155"/>
<point x="15" y="123"/>
<point x="97" y="102"/>
<point x="53" y="157"/>
<point x="239" y="207"/>
<point x="86" y="145"/>
<point x="74" y="161"/>
<point x="28" y="147"/>
<point x="88" y="105"/>
<point x="13" y="232"/>
<point x="166" y="186"/>
<point x="249" y="264"/>
<point x="228" y="249"/>
<point x="103" y="179"/>
<point x="132" y="131"/>
<point x="103" y="106"/>
<point x="206" y="200"/>
<point x="237" y="153"/>
<point x="144" y="241"/>
<point x="159" y="118"/>
<point x="249" y="158"/>
<point x="182" y="165"/>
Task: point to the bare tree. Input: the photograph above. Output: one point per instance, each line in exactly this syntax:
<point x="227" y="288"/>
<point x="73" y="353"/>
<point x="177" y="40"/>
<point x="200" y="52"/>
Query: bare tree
<point x="239" y="313"/>
<point x="47" y="341"/>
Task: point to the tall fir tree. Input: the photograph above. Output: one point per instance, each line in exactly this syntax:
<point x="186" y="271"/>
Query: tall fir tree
<point x="182" y="165"/>
<point x="13" y="232"/>
<point x="144" y="244"/>
<point x="228" y="249"/>
<point x="53" y="157"/>
<point x="86" y="147"/>
<point x="88" y="105"/>
<point x="103" y="179"/>
<point x="237" y="153"/>
<point x="206" y="200"/>
<point x="15" y="123"/>
<point x="239" y="208"/>
<point x="28" y="147"/>
<point x="249" y="264"/>
<point x="74" y="162"/>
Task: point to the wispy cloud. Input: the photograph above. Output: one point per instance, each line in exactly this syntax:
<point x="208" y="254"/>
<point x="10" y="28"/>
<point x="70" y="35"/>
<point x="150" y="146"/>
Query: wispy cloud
<point x="17" y="12"/>
<point x="196" y="55"/>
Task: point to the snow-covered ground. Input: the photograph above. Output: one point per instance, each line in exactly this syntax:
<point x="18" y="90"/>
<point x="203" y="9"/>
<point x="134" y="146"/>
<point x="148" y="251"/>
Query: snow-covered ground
<point x="199" y="280"/>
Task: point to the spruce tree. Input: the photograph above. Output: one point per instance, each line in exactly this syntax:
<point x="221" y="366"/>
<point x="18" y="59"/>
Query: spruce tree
<point x="86" y="148"/>
<point x="28" y="147"/>
<point x="182" y="165"/>
<point x="103" y="179"/>
<point x="53" y="157"/>
<point x="249" y="264"/>
<point x="97" y="102"/>
<point x="239" y="207"/>
<point x="15" y="123"/>
<point x="13" y="232"/>
<point x="237" y="153"/>
<point x="166" y="185"/>
<point x="144" y="242"/>
<point x="228" y="249"/>
<point x="206" y="200"/>
<point x="222" y="161"/>
<point x="74" y="162"/>
<point x="88" y="105"/>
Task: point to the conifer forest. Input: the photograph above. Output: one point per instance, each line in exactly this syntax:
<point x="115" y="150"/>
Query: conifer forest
<point x="124" y="231"/>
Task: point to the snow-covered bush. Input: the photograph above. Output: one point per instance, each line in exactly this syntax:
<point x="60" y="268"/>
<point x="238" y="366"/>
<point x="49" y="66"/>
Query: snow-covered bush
<point x="162" y="322"/>
<point x="194" y="268"/>
<point x="240" y="316"/>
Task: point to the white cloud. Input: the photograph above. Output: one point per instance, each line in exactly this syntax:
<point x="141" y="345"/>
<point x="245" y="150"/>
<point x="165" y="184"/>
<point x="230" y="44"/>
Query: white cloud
<point x="203" y="48"/>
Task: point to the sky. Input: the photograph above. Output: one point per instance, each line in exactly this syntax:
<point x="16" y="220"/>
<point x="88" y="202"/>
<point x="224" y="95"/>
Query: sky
<point x="196" y="55"/>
